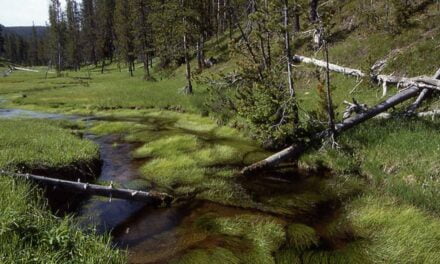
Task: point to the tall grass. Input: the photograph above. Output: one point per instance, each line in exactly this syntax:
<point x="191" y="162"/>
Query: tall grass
<point x="42" y="144"/>
<point x="29" y="233"/>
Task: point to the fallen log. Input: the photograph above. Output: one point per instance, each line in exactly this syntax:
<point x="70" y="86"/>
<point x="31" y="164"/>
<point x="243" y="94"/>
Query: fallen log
<point x="385" y="80"/>
<point x="332" y="67"/>
<point x="412" y="108"/>
<point x="295" y="151"/>
<point x="432" y="113"/>
<point x="151" y="197"/>
<point x="23" y="69"/>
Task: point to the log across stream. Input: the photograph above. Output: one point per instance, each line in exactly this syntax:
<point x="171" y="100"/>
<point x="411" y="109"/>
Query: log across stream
<point x="157" y="235"/>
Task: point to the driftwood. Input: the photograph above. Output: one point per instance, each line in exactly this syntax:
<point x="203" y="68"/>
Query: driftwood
<point x="99" y="190"/>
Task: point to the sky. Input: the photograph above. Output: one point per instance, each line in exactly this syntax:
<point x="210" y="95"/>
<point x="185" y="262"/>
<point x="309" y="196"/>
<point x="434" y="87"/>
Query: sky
<point x="23" y="12"/>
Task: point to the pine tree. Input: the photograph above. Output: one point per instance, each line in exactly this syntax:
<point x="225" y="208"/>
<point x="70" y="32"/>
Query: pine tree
<point x="105" y="10"/>
<point x="11" y="47"/>
<point x="143" y="33"/>
<point x="2" y="41"/>
<point x="89" y="31"/>
<point x="124" y="34"/>
<point x="33" y="47"/>
<point x="57" y="34"/>
<point x="73" y="35"/>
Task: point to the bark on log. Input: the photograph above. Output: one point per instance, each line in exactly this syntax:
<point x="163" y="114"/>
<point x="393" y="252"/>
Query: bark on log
<point x="295" y="151"/>
<point x="99" y="190"/>
<point x="332" y="67"/>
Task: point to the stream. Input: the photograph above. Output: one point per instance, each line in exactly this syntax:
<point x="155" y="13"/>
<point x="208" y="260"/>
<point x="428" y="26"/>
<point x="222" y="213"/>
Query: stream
<point x="157" y="235"/>
<point x="131" y="223"/>
<point x="151" y="235"/>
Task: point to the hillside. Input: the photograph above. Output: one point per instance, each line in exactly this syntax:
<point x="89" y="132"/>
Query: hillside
<point x="26" y="32"/>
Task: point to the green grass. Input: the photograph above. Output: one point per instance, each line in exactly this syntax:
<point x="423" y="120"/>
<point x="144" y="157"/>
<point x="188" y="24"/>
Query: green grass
<point x="260" y="236"/>
<point x="41" y="144"/>
<point x="29" y="233"/>
<point x="397" y="156"/>
<point x="397" y="232"/>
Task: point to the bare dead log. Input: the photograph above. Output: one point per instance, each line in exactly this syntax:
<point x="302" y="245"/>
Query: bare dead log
<point x="412" y="108"/>
<point x="385" y="80"/>
<point x="432" y="113"/>
<point x="99" y="190"/>
<point x="419" y="81"/>
<point x="295" y="151"/>
<point x="332" y="67"/>
<point x="24" y="69"/>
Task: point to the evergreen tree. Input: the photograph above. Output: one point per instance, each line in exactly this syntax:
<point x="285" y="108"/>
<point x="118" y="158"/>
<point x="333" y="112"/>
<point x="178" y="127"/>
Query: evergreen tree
<point x="2" y="41"/>
<point x="124" y="34"/>
<point x="73" y="35"/>
<point x="143" y="33"/>
<point x="33" y="48"/>
<point x="89" y="31"/>
<point x="11" y="47"/>
<point x="57" y="34"/>
<point x="105" y="34"/>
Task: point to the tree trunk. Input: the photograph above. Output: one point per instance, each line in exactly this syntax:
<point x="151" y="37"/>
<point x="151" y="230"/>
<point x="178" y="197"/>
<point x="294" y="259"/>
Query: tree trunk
<point x="146" y="67"/>
<point x="188" y="88"/>
<point x="201" y="53"/>
<point x="102" y="66"/>
<point x="287" y="49"/>
<point x="313" y="11"/>
<point x="331" y="113"/>
<point x="99" y="190"/>
<point x="130" y="68"/>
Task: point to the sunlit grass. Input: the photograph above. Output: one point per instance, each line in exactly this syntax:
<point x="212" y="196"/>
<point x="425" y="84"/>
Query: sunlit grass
<point x="40" y="144"/>
<point x="30" y="234"/>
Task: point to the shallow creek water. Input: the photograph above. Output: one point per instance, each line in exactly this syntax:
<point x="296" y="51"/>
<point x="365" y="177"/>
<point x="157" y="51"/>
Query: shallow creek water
<point x="156" y="235"/>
